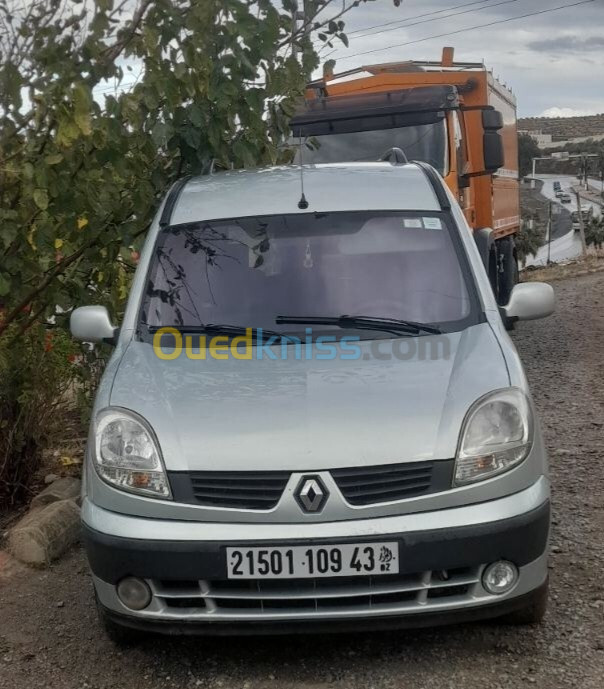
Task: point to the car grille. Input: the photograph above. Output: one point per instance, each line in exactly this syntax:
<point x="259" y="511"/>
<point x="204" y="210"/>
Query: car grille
<point x="296" y="598"/>
<point x="377" y="484"/>
<point x="262" y="490"/>
<point x="249" y="490"/>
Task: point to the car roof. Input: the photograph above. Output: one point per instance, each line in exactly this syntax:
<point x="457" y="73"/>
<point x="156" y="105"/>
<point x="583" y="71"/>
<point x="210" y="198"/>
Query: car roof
<point x="330" y="187"/>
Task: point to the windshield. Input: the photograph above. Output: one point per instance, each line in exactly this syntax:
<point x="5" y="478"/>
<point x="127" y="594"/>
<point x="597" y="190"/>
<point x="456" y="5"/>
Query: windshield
<point x="248" y="271"/>
<point x="425" y="142"/>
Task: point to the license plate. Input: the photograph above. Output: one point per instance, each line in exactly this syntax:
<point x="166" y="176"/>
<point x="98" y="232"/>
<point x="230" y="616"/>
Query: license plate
<point x="306" y="562"/>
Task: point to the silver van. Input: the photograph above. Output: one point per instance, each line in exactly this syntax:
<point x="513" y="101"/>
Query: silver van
<point x="314" y="417"/>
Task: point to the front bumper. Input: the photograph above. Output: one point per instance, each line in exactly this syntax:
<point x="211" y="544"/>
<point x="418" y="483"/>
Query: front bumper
<point x="439" y="580"/>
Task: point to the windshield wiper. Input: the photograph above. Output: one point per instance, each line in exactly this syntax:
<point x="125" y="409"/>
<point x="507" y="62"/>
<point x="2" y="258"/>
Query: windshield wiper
<point x="393" y="325"/>
<point x="224" y="329"/>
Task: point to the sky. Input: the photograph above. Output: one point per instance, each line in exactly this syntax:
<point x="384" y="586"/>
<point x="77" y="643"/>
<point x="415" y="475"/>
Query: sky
<point x="554" y="62"/>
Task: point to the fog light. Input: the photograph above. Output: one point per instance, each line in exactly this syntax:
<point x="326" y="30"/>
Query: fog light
<point x="500" y="577"/>
<point x="134" y="593"/>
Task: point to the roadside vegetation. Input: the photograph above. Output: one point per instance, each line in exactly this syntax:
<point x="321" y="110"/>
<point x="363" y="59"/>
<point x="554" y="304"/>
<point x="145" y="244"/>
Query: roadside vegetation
<point x="102" y="107"/>
<point x="531" y="235"/>
<point x="561" y="271"/>
<point x="594" y="233"/>
<point x="527" y="150"/>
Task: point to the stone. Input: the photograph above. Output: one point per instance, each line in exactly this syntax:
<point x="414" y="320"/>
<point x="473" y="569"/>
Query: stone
<point x="61" y="489"/>
<point x="45" y="533"/>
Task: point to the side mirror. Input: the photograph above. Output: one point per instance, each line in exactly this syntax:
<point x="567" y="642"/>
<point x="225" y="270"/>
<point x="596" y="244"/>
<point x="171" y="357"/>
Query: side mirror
<point x="92" y="324"/>
<point x="492" y="143"/>
<point x="529" y="301"/>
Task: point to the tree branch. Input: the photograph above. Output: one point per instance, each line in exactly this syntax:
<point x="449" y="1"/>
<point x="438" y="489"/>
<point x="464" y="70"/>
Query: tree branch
<point x="59" y="269"/>
<point x="308" y="23"/>
<point x="114" y="51"/>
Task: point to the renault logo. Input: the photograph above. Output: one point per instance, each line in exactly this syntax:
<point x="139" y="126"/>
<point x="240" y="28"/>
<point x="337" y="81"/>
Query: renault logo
<point x="311" y="494"/>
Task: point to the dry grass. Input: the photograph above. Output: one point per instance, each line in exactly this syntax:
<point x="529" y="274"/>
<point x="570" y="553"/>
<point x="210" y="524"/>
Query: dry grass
<point x="561" y="271"/>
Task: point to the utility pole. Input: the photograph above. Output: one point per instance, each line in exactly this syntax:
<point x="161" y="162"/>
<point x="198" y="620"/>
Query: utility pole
<point x="549" y="232"/>
<point x="581" y="225"/>
<point x="294" y="32"/>
<point x="305" y="18"/>
<point x="299" y="16"/>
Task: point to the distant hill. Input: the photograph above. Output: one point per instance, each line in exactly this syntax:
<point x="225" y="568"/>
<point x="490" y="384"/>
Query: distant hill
<point x="563" y="128"/>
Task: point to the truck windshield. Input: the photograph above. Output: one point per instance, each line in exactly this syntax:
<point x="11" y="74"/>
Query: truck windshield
<point x="425" y="142"/>
<point x="248" y="271"/>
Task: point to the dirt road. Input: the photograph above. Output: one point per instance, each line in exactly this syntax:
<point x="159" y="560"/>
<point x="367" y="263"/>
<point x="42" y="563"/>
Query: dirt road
<point x="49" y="635"/>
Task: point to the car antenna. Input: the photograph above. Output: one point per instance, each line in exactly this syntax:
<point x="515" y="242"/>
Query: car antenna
<point x="302" y="203"/>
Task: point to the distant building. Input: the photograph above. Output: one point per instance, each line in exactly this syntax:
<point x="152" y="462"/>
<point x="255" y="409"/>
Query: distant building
<point x="538" y="136"/>
<point x="553" y="132"/>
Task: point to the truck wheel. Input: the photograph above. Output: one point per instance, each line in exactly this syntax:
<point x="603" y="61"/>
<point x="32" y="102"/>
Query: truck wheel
<point x="508" y="271"/>
<point x="532" y="613"/>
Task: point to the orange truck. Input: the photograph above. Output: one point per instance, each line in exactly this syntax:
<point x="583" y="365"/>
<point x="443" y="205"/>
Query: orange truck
<point x="456" y="116"/>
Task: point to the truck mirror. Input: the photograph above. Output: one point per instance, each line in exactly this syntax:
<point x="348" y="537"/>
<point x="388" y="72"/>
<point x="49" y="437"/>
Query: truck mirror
<point x="492" y="145"/>
<point x="492" y="120"/>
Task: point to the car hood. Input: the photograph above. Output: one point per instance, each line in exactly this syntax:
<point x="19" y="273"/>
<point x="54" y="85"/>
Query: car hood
<point x="309" y="414"/>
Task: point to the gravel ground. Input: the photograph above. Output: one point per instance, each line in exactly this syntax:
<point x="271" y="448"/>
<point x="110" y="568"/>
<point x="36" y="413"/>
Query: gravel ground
<point x="49" y="636"/>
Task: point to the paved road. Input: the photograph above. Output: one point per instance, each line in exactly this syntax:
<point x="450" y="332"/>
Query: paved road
<point x="569" y="245"/>
<point x="49" y="636"/>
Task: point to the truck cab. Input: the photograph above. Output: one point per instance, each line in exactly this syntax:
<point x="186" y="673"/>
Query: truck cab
<point x="455" y="116"/>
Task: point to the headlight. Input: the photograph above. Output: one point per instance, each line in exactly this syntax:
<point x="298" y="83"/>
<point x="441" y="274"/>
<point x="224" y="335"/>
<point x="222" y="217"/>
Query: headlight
<point x="497" y="434"/>
<point x="127" y="455"/>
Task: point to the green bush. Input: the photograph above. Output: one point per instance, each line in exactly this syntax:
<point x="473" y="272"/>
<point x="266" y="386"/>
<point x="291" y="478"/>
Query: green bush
<point x="530" y="237"/>
<point x="594" y="233"/>
<point x="42" y="375"/>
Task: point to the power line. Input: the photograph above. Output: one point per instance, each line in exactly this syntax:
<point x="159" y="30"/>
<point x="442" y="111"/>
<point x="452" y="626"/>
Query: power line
<point x="467" y="28"/>
<point x="402" y="23"/>
<point x="116" y="87"/>
<point x="417" y="16"/>
<point x="436" y="19"/>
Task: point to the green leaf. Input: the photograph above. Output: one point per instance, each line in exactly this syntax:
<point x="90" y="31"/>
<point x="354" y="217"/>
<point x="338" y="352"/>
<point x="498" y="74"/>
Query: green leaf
<point x="67" y="133"/>
<point x="195" y="115"/>
<point x="161" y="132"/>
<point x="54" y="159"/>
<point x="83" y="122"/>
<point x="41" y="198"/>
<point x="8" y="234"/>
<point x="4" y="285"/>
